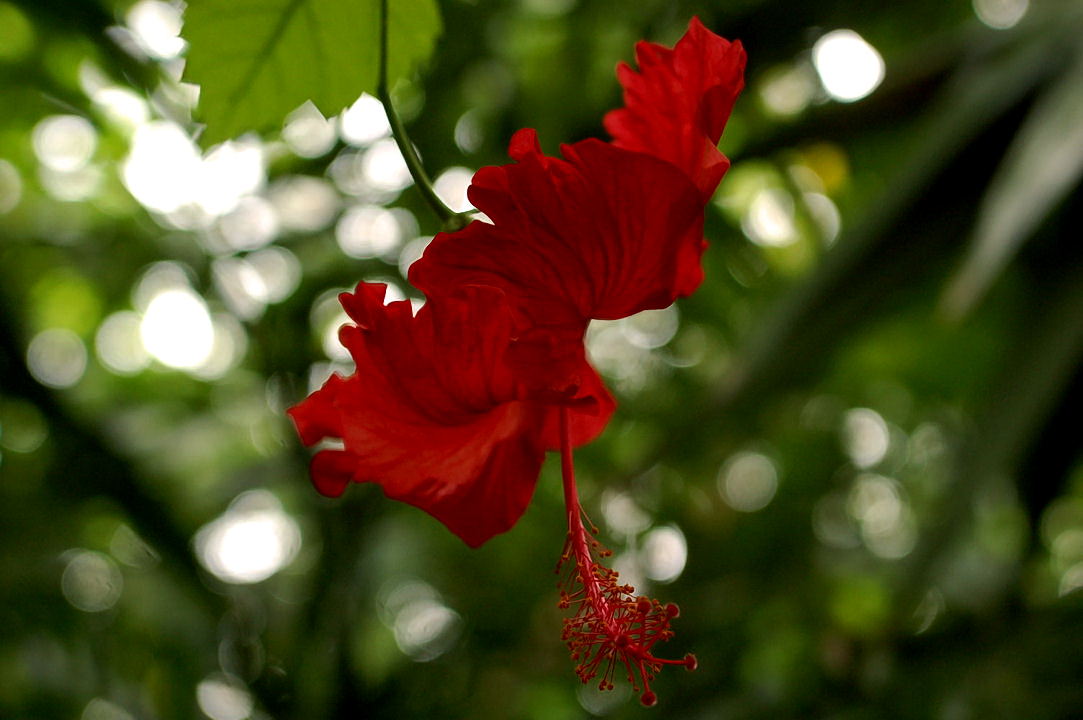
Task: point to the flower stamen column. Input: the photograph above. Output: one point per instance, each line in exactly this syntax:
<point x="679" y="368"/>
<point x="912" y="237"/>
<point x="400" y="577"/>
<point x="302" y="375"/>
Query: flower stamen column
<point x="609" y="626"/>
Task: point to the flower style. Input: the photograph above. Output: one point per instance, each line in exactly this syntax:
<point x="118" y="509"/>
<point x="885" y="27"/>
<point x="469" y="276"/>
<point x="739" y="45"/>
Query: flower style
<point x="452" y="410"/>
<point x="609" y="627"/>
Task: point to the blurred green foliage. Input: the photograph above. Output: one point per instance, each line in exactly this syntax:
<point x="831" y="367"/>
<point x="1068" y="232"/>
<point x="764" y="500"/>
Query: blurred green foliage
<point x="864" y="427"/>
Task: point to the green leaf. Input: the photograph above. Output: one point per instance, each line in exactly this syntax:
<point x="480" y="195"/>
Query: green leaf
<point x="257" y="60"/>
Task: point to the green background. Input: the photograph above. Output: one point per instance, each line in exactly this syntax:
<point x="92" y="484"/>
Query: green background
<point x="868" y="440"/>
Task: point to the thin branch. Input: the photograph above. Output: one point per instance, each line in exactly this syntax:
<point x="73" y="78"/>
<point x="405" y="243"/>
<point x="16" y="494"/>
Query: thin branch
<point x="449" y="219"/>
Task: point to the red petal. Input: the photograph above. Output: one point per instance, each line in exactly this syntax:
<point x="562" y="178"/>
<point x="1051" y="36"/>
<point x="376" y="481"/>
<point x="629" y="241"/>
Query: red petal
<point x="591" y="408"/>
<point x="602" y="233"/>
<point x="676" y="106"/>
<point x="332" y="471"/>
<point x="432" y="414"/>
<point x="475" y="500"/>
<point x="316" y="417"/>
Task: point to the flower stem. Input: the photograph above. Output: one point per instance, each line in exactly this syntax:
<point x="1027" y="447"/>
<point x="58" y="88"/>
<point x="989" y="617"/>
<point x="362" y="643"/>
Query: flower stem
<point x="449" y="219"/>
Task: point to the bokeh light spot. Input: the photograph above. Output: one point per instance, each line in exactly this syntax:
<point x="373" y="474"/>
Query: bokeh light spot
<point x="162" y="166"/>
<point x="248" y="226"/>
<point x="122" y="106"/>
<point x="887" y="524"/>
<point x="748" y="481"/>
<point x="865" y="436"/>
<point x="156" y="28"/>
<point x="251" y="541"/>
<point x="623" y="515"/>
<point x="56" y="357"/>
<point x="451" y="185"/>
<point x="664" y="554"/>
<point x="1001" y="14"/>
<point x="614" y="353"/>
<point x="308" y="133"/>
<point x="411" y="252"/>
<point x="326" y="317"/>
<point x="119" y="343"/>
<point x="629" y="566"/>
<point x="347" y="174"/>
<point x="158" y="277"/>
<point x="770" y="219"/>
<point x="278" y="269"/>
<point x="468" y="133"/>
<point x="364" y="122"/>
<point x="223" y="698"/>
<point x="71" y="185"/>
<point x="91" y="582"/>
<point x="384" y="167"/>
<point x="651" y="329"/>
<point x="788" y="90"/>
<point x="241" y="286"/>
<point x="64" y="142"/>
<point x="303" y="203"/>
<point x="102" y="709"/>
<point x="228" y="346"/>
<point x="176" y="329"/>
<point x="424" y="627"/>
<point x="1071" y="580"/>
<point x="229" y="172"/>
<point x="11" y="187"/>
<point x="849" y="67"/>
<point x="130" y="549"/>
<point x="826" y="215"/>
<point x="832" y="524"/>
<point x="602" y="702"/>
<point x="166" y="173"/>
<point x="369" y="231"/>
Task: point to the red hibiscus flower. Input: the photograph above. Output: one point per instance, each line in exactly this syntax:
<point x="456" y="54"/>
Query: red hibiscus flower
<point x="433" y="413"/>
<point x="452" y="410"/>
<point x="676" y="106"/>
